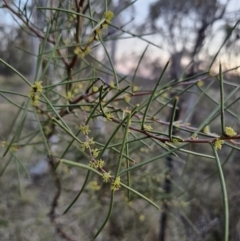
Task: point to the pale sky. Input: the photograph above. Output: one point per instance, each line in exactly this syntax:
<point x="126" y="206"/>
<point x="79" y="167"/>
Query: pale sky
<point x="135" y="46"/>
<point x="127" y="47"/>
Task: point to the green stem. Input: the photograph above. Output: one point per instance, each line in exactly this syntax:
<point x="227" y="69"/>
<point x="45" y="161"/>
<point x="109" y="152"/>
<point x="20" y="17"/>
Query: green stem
<point x="153" y="93"/>
<point x="108" y="215"/>
<point x="224" y="194"/>
<point x="123" y="144"/>
<point x="222" y="99"/>
<point x="170" y="129"/>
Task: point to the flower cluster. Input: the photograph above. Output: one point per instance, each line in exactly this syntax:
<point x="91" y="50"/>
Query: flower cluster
<point x="69" y="96"/>
<point x="95" y="89"/>
<point x="218" y="144"/>
<point x="106" y="176"/>
<point x="84" y="129"/>
<point x="13" y="148"/>
<point x="82" y="52"/>
<point x="36" y="89"/>
<point x="72" y="17"/>
<point x="147" y="127"/>
<point x="112" y="84"/>
<point x="93" y="185"/>
<point x="175" y="140"/>
<point x="108" y="15"/>
<point x="103" y="24"/>
<point x="230" y="132"/>
<point x="95" y="152"/>
<point x="108" y="116"/>
<point x="127" y="98"/>
<point x="86" y="144"/>
<point x="116" y="184"/>
<point x="77" y="88"/>
<point x="96" y="164"/>
<point x="135" y="88"/>
<point x="200" y="83"/>
<point x="206" y="129"/>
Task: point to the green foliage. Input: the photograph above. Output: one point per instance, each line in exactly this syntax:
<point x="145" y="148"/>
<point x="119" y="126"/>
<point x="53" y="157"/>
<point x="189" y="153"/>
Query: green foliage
<point x="122" y="167"/>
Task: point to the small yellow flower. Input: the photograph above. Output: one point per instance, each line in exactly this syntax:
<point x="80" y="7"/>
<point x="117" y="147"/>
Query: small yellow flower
<point x="96" y="164"/>
<point x="109" y="116"/>
<point x="218" y="144"/>
<point x="79" y="85"/>
<point x="78" y="51"/>
<point x="177" y="139"/>
<point x="195" y="136"/>
<point x="72" y="17"/>
<point x="230" y="132"/>
<point x="84" y="129"/>
<point x="206" y="129"/>
<point x="112" y="84"/>
<point x="4" y="144"/>
<point x="13" y="148"/>
<point x="77" y="88"/>
<point x="93" y="185"/>
<point x="69" y="95"/>
<point x="37" y="87"/>
<point x="93" y="164"/>
<point x="127" y="98"/>
<point x="87" y="50"/>
<point x="127" y="111"/>
<point x="135" y="88"/>
<point x="108" y="15"/>
<point x="35" y="99"/>
<point x="200" y="83"/>
<point x="116" y="184"/>
<point x="100" y="163"/>
<point x="174" y="140"/>
<point x="106" y="176"/>
<point x="86" y="108"/>
<point x="144" y="150"/>
<point x="147" y="127"/>
<point x="91" y="141"/>
<point x="95" y="89"/>
<point x="105" y="25"/>
<point x="86" y="144"/>
<point x="98" y="31"/>
<point x="95" y="152"/>
<point x="90" y="40"/>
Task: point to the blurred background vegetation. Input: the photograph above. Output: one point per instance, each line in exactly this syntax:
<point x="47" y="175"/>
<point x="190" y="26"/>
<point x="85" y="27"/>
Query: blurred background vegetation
<point x="139" y="41"/>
